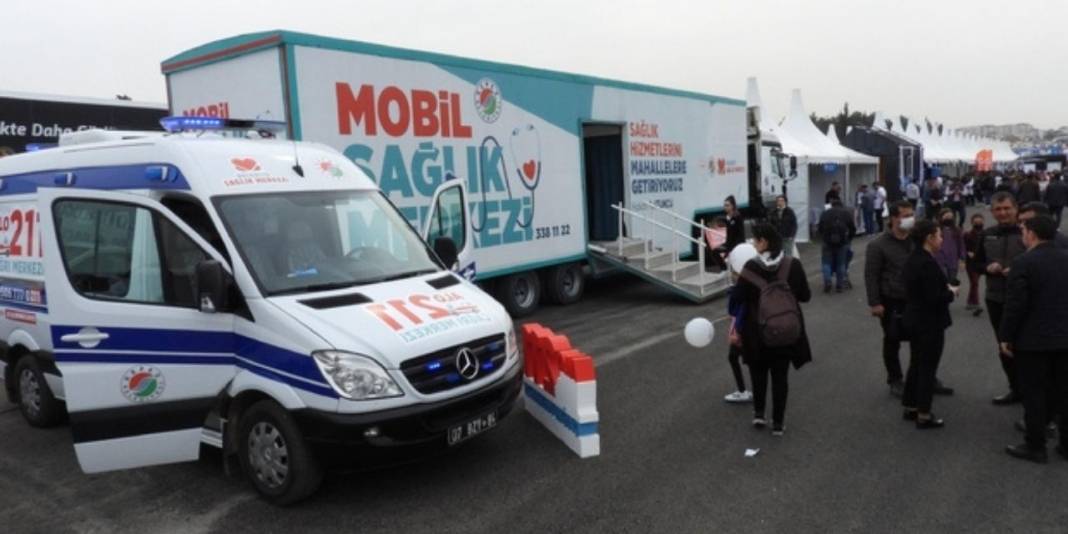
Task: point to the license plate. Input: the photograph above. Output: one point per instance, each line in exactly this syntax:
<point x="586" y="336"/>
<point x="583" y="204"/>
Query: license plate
<point x="472" y="428"/>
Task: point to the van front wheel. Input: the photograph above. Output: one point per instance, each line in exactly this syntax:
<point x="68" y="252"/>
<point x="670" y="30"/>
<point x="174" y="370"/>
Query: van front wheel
<point x="38" y="406"/>
<point x="520" y="293"/>
<point x="274" y="456"/>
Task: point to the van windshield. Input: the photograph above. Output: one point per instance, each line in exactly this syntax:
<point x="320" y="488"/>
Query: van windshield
<point x="314" y="241"/>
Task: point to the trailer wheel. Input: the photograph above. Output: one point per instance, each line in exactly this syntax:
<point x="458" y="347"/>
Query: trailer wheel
<point x="520" y="293"/>
<point x="274" y="455"/>
<point x="564" y="284"/>
<point x="38" y="405"/>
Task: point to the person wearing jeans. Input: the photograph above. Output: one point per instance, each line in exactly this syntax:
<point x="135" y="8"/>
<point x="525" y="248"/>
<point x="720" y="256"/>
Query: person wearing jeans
<point x="836" y="229"/>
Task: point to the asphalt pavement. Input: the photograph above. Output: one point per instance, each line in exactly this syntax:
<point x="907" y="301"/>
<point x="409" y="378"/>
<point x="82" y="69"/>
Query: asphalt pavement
<point x="672" y="452"/>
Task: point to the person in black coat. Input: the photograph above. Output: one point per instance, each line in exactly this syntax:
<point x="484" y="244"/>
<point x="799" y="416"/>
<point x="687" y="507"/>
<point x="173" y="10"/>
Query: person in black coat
<point x="1029" y="191"/>
<point x="785" y="221"/>
<point x="1034" y="332"/>
<point x="1057" y="197"/>
<point x="763" y="360"/>
<point x="735" y="224"/>
<point x="925" y="320"/>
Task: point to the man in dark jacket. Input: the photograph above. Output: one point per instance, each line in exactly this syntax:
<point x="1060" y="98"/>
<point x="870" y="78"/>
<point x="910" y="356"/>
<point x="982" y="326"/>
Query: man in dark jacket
<point x="835" y="192"/>
<point x="1057" y="197"/>
<point x="836" y="229"/>
<point x="884" y="260"/>
<point x="785" y="221"/>
<point x="1035" y="209"/>
<point x="1034" y="332"/>
<point x="1029" y="191"/>
<point x="998" y="247"/>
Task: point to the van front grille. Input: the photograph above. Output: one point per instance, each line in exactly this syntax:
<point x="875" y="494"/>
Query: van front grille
<point x="438" y="371"/>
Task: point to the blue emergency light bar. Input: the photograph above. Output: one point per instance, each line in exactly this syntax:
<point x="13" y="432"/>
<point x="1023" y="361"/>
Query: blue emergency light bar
<point x="175" y="124"/>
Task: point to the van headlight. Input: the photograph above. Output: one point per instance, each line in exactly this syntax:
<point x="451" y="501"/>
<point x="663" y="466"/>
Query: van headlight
<point x="356" y="377"/>
<point x="510" y="346"/>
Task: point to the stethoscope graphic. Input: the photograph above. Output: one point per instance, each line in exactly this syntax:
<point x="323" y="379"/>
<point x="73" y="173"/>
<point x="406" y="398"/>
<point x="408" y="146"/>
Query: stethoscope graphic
<point x="525" y="146"/>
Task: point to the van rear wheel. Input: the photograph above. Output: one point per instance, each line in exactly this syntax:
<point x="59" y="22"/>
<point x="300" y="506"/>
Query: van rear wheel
<point x="564" y="284"/>
<point x="38" y="405"/>
<point x="274" y="455"/>
<point x="520" y="293"/>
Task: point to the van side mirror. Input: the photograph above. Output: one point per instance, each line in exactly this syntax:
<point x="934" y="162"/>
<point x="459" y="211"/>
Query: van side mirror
<point x="445" y="248"/>
<point x="211" y="287"/>
<point x="793" y="165"/>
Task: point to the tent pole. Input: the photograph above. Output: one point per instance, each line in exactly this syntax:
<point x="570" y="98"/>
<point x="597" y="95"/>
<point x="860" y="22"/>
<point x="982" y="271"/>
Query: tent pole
<point x="848" y="188"/>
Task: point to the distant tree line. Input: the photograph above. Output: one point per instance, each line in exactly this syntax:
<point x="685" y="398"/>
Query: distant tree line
<point x="843" y="119"/>
<point x="847" y="117"/>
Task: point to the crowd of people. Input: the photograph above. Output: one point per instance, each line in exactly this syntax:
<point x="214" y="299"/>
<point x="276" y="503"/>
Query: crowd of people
<point x="912" y="274"/>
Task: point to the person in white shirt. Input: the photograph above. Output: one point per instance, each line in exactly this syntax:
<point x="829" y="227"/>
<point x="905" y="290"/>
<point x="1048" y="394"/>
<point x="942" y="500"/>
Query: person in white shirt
<point x="879" y="204"/>
<point x="912" y="193"/>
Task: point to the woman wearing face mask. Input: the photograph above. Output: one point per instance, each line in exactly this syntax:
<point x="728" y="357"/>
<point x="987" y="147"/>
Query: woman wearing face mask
<point x="925" y="320"/>
<point x="952" y="251"/>
<point x="971" y="247"/>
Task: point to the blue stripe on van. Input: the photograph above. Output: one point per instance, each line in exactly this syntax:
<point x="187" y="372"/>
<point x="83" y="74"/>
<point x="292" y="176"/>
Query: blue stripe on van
<point x="189" y="346"/>
<point x="109" y="177"/>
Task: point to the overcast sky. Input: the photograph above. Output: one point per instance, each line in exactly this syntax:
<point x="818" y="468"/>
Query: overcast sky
<point x="961" y="62"/>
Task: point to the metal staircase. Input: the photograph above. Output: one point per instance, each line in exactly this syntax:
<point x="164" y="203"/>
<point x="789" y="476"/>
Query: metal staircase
<point x="637" y="254"/>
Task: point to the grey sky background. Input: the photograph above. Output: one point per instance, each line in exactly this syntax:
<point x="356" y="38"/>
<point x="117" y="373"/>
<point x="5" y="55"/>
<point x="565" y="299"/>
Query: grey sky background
<point x="960" y="62"/>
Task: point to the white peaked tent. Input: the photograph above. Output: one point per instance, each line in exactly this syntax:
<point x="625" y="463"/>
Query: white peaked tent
<point x="827" y="160"/>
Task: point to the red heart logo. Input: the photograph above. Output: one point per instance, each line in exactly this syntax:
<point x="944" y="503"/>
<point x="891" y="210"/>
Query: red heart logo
<point x="529" y="168"/>
<point x="245" y="165"/>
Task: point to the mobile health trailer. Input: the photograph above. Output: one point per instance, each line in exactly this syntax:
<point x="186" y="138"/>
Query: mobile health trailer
<point x="541" y="159"/>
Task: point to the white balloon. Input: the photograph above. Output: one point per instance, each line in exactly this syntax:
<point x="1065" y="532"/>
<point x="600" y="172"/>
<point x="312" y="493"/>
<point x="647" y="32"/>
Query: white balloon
<point x="741" y="255"/>
<point x="699" y="332"/>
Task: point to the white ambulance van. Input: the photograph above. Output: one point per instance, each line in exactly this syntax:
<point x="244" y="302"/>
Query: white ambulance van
<point x="261" y="296"/>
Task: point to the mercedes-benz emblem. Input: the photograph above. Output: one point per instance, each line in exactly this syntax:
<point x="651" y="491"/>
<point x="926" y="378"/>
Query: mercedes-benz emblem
<point x="466" y="363"/>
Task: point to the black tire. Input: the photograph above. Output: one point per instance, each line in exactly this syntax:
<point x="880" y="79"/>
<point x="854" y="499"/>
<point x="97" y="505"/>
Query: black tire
<point x="38" y="405"/>
<point x="564" y="284"/>
<point x="520" y="293"/>
<point x="283" y="471"/>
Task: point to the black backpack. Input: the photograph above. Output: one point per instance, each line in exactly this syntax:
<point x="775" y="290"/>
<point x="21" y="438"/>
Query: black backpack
<point x="838" y="232"/>
<point x="778" y="315"/>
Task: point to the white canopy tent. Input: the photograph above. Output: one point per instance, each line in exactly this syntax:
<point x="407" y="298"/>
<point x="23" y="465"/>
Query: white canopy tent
<point x="948" y="146"/>
<point x="827" y="160"/>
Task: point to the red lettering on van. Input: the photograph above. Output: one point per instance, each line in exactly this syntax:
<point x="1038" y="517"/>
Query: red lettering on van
<point x="419" y="112"/>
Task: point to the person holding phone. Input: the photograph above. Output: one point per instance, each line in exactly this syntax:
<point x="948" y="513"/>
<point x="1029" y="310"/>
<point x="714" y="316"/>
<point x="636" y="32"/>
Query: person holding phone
<point x="926" y="318"/>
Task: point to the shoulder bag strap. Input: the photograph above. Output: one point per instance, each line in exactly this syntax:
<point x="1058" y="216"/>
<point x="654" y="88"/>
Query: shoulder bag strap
<point x="752" y="278"/>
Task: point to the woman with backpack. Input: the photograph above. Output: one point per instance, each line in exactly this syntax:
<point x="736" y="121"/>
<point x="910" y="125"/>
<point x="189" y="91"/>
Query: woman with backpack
<point x="927" y="297"/>
<point x="771" y="286"/>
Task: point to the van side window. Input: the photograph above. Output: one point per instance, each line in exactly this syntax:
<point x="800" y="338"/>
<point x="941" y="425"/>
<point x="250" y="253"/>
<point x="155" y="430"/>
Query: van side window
<point x="124" y="252"/>
<point x="192" y="212"/>
<point x="448" y="217"/>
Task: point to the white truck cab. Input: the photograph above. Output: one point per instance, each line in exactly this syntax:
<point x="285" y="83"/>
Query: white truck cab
<point x="261" y="296"/>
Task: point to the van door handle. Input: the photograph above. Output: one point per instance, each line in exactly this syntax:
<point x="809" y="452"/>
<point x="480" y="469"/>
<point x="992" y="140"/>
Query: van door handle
<point x="87" y="337"/>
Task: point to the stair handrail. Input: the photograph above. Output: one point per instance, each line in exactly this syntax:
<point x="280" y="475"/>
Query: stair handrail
<point x="677" y="216"/>
<point x="675" y="235"/>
